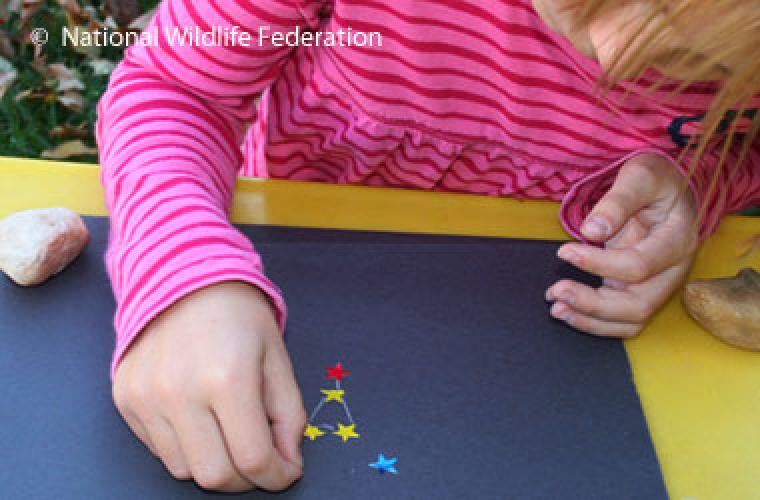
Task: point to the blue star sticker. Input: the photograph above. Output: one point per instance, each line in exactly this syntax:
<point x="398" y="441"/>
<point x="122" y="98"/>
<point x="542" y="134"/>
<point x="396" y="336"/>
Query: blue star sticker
<point x="385" y="464"/>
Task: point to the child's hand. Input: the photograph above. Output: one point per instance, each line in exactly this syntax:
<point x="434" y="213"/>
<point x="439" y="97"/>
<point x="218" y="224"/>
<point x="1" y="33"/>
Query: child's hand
<point x="209" y="388"/>
<point x="647" y="223"/>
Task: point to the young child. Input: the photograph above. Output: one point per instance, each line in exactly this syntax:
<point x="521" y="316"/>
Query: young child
<point x="637" y="115"/>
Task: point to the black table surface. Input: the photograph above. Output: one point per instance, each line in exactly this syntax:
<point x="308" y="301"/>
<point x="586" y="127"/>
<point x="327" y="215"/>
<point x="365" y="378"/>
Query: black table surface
<point x="456" y="369"/>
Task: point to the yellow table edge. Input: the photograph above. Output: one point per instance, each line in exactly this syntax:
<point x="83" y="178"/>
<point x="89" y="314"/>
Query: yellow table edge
<point x="701" y="397"/>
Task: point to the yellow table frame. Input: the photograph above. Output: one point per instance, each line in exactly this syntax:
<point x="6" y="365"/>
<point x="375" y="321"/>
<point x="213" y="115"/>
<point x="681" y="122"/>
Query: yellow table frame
<point x="701" y="397"/>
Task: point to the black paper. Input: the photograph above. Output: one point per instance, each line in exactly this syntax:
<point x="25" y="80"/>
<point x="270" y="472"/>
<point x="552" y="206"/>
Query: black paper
<point x="456" y="369"/>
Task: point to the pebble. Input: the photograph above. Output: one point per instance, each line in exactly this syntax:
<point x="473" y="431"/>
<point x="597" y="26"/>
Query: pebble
<point x="37" y="244"/>
<point x="729" y="308"/>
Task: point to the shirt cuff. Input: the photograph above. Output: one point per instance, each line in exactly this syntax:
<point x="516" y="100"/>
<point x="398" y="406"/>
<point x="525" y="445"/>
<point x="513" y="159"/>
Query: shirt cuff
<point x="583" y="196"/>
<point x="191" y="279"/>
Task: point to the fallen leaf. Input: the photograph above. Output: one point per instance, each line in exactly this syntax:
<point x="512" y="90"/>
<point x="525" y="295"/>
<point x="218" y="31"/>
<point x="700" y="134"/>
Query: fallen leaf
<point x="72" y="100"/>
<point x="78" y="18"/>
<point x="8" y="75"/>
<point x="70" y="7"/>
<point x="101" y="66"/>
<point x="6" y="45"/>
<point x="43" y="95"/>
<point x="67" y="78"/>
<point x="69" y="149"/>
<point x="23" y="95"/>
<point x="142" y="22"/>
<point x="92" y="10"/>
<point x="91" y="13"/>
<point x="110" y="24"/>
<point x="6" y="80"/>
<point x="6" y="8"/>
<point x="70" y="131"/>
<point x="13" y="6"/>
<point x="28" y="9"/>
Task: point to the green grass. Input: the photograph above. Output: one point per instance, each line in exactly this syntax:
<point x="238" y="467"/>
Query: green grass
<point x="25" y="125"/>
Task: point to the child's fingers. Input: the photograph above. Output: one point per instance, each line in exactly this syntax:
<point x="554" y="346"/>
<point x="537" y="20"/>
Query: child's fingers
<point x="168" y="449"/>
<point x="603" y="303"/>
<point x="241" y="414"/>
<point x="631" y="265"/>
<point x="668" y="244"/>
<point x="284" y="405"/>
<point x="636" y="187"/>
<point x="137" y="427"/>
<point x="594" y="326"/>
<point x="631" y="234"/>
<point x="205" y="451"/>
<point x="621" y="305"/>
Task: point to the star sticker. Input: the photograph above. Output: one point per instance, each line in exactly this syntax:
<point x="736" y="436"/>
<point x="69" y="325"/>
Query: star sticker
<point x="384" y="465"/>
<point x="346" y="432"/>
<point x="333" y="395"/>
<point x="337" y="372"/>
<point x="312" y="432"/>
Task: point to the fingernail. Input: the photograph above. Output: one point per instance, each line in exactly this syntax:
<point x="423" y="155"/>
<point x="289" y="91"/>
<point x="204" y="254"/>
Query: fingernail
<point x="549" y="295"/>
<point x="567" y="298"/>
<point x="615" y="284"/>
<point x="562" y="312"/>
<point x="595" y="228"/>
<point x="569" y="255"/>
<point x="294" y="456"/>
<point x="558" y="310"/>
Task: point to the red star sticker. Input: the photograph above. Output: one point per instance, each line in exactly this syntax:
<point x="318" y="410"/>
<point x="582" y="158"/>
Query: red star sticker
<point x="337" y="372"/>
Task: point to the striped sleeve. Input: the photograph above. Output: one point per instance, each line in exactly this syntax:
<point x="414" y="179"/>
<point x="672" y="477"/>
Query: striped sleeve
<point x="730" y="189"/>
<point x="170" y="129"/>
<point x="717" y="193"/>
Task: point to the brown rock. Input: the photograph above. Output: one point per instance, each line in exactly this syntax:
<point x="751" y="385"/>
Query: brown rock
<point x="729" y="308"/>
<point x="36" y="244"/>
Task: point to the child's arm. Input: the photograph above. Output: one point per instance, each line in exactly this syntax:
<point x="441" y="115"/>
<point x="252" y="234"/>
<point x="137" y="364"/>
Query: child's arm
<point x="645" y="219"/>
<point x="170" y="130"/>
<point x="735" y="187"/>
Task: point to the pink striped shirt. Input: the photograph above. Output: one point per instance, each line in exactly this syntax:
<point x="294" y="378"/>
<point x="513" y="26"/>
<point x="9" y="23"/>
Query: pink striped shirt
<point x="476" y="96"/>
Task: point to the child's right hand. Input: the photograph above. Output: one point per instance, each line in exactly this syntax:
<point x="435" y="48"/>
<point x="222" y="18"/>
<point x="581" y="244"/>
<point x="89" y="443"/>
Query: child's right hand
<point x="209" y="388"/>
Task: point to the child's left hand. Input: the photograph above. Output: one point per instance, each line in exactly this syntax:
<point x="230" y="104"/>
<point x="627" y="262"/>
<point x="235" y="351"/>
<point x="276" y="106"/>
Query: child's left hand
<point x="647" y="224"/>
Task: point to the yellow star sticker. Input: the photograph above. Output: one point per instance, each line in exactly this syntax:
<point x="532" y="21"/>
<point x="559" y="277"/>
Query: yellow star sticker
<point x="346" y="431"/>
<point x="333" y="395"/>
<point x="312" y="432"/>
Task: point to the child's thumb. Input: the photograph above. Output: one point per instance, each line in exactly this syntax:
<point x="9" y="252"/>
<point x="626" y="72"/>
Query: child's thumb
<point x="635" y="188"/>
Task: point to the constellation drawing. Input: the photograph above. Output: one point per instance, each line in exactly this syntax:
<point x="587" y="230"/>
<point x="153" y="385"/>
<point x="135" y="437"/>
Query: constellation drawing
<point x="315" y="430"/>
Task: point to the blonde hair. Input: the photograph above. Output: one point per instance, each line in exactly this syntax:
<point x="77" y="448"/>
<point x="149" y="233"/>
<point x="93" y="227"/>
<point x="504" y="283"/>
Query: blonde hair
<point x="717" y="31"/>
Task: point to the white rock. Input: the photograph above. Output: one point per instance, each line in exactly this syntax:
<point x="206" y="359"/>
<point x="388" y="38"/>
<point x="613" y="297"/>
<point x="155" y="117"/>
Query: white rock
<point x="36" y="244"/>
